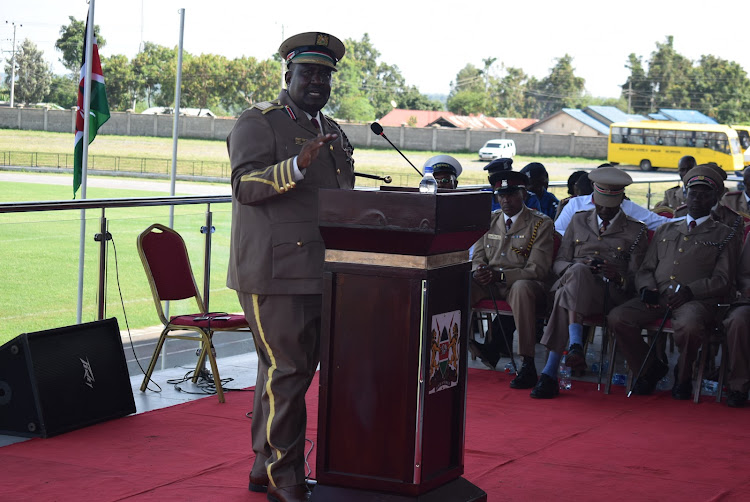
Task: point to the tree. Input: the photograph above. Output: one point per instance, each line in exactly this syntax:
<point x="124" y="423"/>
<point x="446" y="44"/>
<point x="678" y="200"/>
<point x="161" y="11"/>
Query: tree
<point x="71" y="41"/>
<point x="670" y="76"/>
<point x="249" y="81"/>
<point x="509" y="94"/>
<point x="721" y="90"/>
<point x="468" y="93"/>
<point x="560" y="89"/>
<point x="33" y="76"/>
<point x="153" y="66"/>
<point x="356" y="109"/>
<point x="637" y="90"/>
<point x="203" y="80"/>
<point x="63" y="91"/>
<point x="122" y="85"/>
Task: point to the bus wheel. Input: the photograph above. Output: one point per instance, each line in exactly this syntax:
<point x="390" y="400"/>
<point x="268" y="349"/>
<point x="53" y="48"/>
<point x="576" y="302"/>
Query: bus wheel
<point x="646" y="165"/>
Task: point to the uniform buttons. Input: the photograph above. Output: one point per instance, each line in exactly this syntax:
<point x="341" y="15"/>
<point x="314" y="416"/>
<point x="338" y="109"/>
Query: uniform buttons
<point x="619" y="248"/>
<point x="676" y="262"/>
<point x="672" y="277"/>
<point x="596" y="252"/>
<point x="299" y="243"/>
<point x="680" y="250"/>
<point x="288" y="186"/>
<point x="578" y="240"/>
<point x="330" y="147"/>
<point x="338" y="171"/>
<point x="686" y="238"/>
<point x="599" y="238"/>
<point x="293" y="184"/>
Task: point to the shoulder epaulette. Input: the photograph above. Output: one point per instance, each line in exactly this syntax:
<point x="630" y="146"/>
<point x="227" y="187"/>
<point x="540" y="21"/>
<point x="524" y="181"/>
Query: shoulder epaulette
<point x="267" y="106"/>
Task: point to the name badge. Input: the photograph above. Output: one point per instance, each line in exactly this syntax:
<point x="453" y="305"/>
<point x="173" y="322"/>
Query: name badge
<point x="300" y="141"/>
<point x="496" y="237"/>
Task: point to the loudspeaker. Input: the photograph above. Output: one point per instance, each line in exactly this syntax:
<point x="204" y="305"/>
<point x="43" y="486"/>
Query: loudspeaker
<point x="62" y="379"/>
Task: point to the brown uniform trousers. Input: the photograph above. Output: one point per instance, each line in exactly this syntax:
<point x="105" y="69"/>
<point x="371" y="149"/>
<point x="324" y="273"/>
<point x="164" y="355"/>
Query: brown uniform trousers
<point x="737" y="326"/>
<point x="525" y="256"/>
<point x="623" y="243"/>
<point x="705" y="261"/>
<point x="276" y="264"/>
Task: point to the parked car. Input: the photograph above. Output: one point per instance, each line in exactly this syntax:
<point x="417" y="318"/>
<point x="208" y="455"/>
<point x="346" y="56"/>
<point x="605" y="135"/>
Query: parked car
<point x="498" y="148"/>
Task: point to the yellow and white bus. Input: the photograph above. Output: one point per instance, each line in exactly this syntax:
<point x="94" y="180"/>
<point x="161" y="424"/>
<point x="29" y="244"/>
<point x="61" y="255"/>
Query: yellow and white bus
<point x="743" y="131"/>
<point x="653" y="144"/>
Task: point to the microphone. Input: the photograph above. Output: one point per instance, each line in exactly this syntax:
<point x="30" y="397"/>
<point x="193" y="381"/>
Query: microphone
<point x="386" y="179"/>
<point x="378" y="129"/>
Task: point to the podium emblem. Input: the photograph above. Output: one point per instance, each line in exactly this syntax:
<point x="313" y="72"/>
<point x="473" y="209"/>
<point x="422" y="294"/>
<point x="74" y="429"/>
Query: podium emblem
<point x="445" y="348"/>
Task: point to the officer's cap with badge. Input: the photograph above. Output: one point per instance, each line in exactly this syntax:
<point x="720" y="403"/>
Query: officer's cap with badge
<point x="444" y="164"/>
<point x="312" y="48"/>
<point x="496" y="167"/>
<point x="704" y="175"/>
<point x="609" y="185"/>
<point x="509" y="181"/>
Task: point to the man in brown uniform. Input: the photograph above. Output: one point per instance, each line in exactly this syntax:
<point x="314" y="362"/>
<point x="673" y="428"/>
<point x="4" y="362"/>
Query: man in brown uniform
<point x="689" y="267"/>
<point x="675" y="197"/>
<point x="600" y="253"/>
<point x="719" y="211"/>
<point x="739" y="201"/>
<point x="737" y="326"/>
<point x="281" y="153"/>
<point x="513" y="259"/>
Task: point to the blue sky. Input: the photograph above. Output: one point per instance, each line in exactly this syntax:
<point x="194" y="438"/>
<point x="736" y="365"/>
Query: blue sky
<point x="429" y="41"/>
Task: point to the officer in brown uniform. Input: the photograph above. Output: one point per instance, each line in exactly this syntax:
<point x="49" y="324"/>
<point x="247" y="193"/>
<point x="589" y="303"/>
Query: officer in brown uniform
<point x="689" y="268"/>
<point x="281" y="153"/>
<point x="513" y="259"/>
<point x="719" y="212"/>
<point x="675" y="197"/>
<point x="600" y="253"/>
<point x="737" y="326"/>
<point x="740" y="201"/>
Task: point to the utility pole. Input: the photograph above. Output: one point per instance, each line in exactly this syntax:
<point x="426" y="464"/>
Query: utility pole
<point x="13" y="63"/>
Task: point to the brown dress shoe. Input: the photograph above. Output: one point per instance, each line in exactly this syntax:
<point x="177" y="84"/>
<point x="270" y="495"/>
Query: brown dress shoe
<point x="296" y="493"/>
<point x="258" y="484"/>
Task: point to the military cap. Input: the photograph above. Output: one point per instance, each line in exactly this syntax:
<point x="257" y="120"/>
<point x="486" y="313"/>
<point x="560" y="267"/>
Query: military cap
<point x="509" y="181"/>
<point x="534" y="169"/>
<point x="312" y="48"/>
<point x="609" y="185"/>
<point x="704" y="175"/>
<point x="444" y="163"/>
<point x="497" y="166"/>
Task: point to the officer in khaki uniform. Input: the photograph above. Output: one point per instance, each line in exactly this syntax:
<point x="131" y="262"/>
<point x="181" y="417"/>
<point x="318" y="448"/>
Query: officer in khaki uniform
<point x="720" y="212"/>
<point x="675" y="197"/>
<point x="737" y="326"/>
<point x="600" y="253"/>
<point x="698" y="254"/>
<point x="738" y="201"/>
<point x="282" y="152"/>
<point x="514" y="259"/>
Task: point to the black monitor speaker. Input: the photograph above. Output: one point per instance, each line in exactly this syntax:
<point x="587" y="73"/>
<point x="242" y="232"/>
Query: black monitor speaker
<point x="61" y="379"/>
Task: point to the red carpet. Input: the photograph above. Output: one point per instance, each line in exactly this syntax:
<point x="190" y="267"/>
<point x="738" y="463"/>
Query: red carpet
<point x="582" y="446"/>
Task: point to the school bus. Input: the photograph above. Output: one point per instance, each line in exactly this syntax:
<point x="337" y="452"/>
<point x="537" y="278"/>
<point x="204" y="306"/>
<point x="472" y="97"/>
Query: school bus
<point x="652" y="144"/>
<point x="743" y="131"/>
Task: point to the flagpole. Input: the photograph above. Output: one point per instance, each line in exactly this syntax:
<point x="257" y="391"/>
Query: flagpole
<point x="89" y="46"/>
<point x="176" y="123"/>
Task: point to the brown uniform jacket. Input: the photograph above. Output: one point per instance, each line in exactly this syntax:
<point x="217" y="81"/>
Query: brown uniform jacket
<point x="624" y="244"/>
<point x="737" y="202"/>
<point x="720" y="212"/>
<point x="673" y="197"/>
<point x="704" y="259"/>
<point x="276" y="245"/>
<point x="523" y="253"/>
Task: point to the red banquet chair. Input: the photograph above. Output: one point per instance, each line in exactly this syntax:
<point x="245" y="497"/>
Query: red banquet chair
<point x="167" y="266"/>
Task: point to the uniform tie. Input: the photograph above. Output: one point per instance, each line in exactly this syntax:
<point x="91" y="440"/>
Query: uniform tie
<point x="508" y="224"/>
<point x="315" y="123"/>
<point x="691" y="226"/>
<point x="604" y="226"/>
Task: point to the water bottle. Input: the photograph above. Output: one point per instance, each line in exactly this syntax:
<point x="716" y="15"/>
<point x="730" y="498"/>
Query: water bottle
<point x="563" y="373"/>
<point x="428" y="183"/>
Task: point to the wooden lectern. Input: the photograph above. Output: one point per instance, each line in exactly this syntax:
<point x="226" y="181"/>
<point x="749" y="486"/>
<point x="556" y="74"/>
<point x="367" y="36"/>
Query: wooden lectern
<point x="393" y="348"/>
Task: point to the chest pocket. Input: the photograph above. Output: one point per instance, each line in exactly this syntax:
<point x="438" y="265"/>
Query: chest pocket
<point x="668" y="245"/>
<point x="298" y="250"/>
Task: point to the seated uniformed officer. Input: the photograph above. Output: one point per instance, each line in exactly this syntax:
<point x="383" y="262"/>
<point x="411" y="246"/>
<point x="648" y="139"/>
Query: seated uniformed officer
<point x="599" y="255"/>
<point x="675" y="197"/>
<point x="511" y="262"/>
<point x="737" y="326"/>
<point x="445" y="169"/>
<point x="688" y="269"/>
<point x="719" y="211"/>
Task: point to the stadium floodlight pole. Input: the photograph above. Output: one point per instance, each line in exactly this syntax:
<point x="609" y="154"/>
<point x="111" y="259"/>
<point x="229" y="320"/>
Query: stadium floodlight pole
<point x="89" y="49"/>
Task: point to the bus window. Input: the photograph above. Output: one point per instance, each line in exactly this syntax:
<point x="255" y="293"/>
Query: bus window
<point x="650" y="137"/>
<point x="683" y="138"/>
<point x="734" y="145"/>
<point x="636" y="136"/>
<point x="617" y="136"/>
<point x="668" y="137"/>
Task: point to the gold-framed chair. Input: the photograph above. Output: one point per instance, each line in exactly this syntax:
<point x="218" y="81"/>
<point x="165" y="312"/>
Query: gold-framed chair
<point x="170" y="276"/>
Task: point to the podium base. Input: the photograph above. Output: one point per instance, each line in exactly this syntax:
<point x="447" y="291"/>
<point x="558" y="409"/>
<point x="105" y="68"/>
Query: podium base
<point x="458" y="490"/>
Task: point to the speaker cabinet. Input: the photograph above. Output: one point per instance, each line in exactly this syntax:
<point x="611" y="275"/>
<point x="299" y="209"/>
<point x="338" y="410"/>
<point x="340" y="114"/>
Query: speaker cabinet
<point x="62" y="379"/>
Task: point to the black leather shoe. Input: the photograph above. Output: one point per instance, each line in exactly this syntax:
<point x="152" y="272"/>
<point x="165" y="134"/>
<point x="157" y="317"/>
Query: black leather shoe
<point x="737" y="399"/>
<point x="480" y="351"/>
<point x="296" y="493"/>
<point x="526" y="377"/>
<point x="643" y="387"/>
<point x="258" y="484"/>
<point x="683" y="390"/>
<point x="546" y="388"/>
<point x="575" y="358"/>
<point x="646" y="384"/>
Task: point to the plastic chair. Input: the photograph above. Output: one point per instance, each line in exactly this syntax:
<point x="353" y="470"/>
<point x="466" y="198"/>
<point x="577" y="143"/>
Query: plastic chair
<point x="167" y="266"/>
